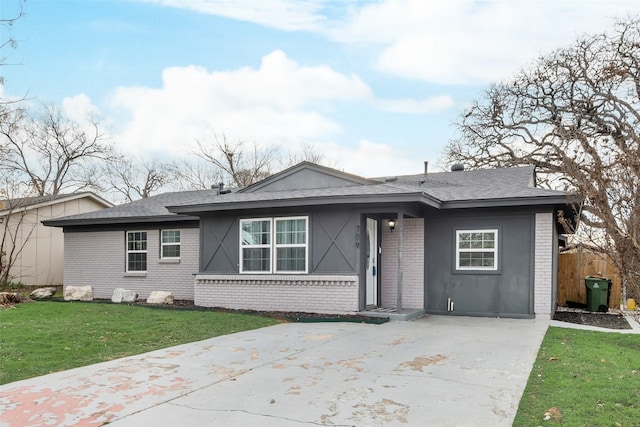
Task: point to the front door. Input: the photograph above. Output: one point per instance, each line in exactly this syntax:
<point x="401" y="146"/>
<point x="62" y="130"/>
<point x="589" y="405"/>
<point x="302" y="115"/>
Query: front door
<point x="372" y="262"/>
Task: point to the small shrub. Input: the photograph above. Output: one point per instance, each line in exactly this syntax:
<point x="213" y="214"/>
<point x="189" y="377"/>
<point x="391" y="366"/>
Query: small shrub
<point x="11" y="286"/>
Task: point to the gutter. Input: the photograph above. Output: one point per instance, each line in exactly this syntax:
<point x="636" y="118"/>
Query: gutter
<point x="304" y="201"/>
<point x="118" y="220"/>
<point x="506" y="202"/>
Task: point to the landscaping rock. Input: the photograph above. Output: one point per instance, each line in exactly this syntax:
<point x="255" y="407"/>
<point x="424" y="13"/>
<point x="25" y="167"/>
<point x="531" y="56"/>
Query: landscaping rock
<point x="78" y="293"/>
<point x="43" y="293"/>
<point x="160" y="297"/>
<point x="8" y="299"/>
<point x="123" y="295"/>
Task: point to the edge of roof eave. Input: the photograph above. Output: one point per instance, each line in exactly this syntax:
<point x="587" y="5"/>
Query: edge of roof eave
<point x="306" y="201"/>
<point x="119" y="220"/>
<point x="508" y="202"/>
<point x="66" y="198"/>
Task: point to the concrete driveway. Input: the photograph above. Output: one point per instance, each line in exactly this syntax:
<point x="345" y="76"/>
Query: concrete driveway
<point x="434" y="371"/>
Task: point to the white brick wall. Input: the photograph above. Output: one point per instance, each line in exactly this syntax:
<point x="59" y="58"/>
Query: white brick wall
<point x="412" y="265"/>
<point x="98" y="259"/>
<point x="305" y="293"/>
<point x="543" y="265"/>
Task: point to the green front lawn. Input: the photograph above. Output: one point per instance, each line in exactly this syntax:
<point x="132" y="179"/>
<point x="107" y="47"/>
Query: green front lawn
<point x="583" y="378"/>
<point x="42" y="337"/>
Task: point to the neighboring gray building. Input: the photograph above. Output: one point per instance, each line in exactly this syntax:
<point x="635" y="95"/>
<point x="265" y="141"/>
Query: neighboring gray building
<point x="314" y="239"/>
<point x="35" y="252"/>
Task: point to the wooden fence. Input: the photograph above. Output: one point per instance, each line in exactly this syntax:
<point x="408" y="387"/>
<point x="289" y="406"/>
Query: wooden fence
<point x="574" y="266"/>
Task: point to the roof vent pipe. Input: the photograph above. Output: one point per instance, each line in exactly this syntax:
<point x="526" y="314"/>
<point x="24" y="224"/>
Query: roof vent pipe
<point x="426" y="168"/>
<point x="219" y="188"/>
<point x="458" y="167"/>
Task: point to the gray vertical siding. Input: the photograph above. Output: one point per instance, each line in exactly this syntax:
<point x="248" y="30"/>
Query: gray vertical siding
<point x="332" y="236"/>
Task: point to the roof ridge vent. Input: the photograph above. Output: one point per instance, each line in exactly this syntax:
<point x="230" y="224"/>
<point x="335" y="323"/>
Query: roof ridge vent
<point x="458" y="167"/>
<point x="390" y="179"/>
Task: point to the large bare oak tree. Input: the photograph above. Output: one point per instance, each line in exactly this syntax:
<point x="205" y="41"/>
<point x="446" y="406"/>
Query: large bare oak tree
<point x="575" y="115"/>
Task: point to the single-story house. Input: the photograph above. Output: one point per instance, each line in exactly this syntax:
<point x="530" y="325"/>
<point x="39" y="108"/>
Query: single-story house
<point x="315" y="239"/>
<point x="36" y="251"/>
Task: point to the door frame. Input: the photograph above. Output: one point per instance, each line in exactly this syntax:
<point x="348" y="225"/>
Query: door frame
<point x="372" y="281"/>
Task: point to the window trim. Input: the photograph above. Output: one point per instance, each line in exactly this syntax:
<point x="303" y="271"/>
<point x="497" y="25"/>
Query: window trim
<point x="162" y="245"/>
<point x="495" y="250"/>
<point x="268" y="246"/>
<point x="138" y="251"/>
<point x="273" y="246"/>
<point x="290" y="245"/>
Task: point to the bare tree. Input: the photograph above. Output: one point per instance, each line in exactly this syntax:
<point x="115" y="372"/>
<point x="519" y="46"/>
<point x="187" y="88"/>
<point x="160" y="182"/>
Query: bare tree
<point x="49" y="152"/>
<point x="15" y="231"/>
<point x="9" y="43"/>
<point x="575" y="115"/>
<point x="136" y="178"/>
<point x="239" y="163"/>
<point x="236" y="163"/>
<point x="194" y="173"/>
<point x="307" y="153"/>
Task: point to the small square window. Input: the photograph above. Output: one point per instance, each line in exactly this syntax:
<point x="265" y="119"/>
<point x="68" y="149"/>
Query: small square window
<point x="170" y="244"/>
<point x="476" y="249"/>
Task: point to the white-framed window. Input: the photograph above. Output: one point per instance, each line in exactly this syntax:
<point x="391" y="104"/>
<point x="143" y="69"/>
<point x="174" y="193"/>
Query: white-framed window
<point x="274" y="245"/>
<point x="291" y="245"/>
<point x="477" y="249"/>
<point x="136" y="251"/>
<point x="255" y="245"/>
<point x="169" y="244"/>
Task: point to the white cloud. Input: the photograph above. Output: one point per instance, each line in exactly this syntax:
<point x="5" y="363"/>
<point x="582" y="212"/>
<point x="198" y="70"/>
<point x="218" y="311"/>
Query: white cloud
<point x="453" y="41"/>
<point x="470" y="41"/>
<point x="79" y="108"/>
<point x="417" y="106"/>
<point x="370" y="159"/>
<point x="282" y="14"/>
<point x="281" y="102"/>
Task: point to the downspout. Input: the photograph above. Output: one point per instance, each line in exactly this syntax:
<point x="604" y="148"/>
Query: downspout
<point x="554" y="269"/>
<point x="400" y="227"/>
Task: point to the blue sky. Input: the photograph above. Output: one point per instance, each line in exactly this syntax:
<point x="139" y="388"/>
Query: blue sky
<point x="374" y="85"/>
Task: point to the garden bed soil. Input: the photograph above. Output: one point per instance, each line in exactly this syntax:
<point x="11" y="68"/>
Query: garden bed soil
<point x="287" y="316"/>
<point x="284" y="316"/>
<point x="602" y="320"/>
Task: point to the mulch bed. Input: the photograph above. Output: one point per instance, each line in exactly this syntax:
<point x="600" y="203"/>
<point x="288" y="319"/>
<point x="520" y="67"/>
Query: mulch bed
<point x="287" y="316"/>
<point x="602" y="320"/>
<point x="284" y="316"/>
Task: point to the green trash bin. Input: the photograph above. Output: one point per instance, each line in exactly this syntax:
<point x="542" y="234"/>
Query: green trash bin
<point x="598" y="291"/>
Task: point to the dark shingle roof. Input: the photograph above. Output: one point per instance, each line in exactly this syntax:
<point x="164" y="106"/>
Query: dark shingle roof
<point x="152" y="208"/>
<point x="484" y="184"/>
<point x="447" y="189"/>
<point x="489" y="187"/>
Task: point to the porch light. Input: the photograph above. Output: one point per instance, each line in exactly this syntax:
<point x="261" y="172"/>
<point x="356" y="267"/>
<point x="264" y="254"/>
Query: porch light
<point x="392" y="224"/>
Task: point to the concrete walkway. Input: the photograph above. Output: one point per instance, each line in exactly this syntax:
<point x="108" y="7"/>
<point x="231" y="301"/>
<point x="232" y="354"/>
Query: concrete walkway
<point x="436" y="371"/>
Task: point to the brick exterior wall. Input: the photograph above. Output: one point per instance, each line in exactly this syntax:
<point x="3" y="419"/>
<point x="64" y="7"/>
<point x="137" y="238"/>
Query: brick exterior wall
<point x="543" y="265"/>
<point x="305" y="293"/>
<point x="412" y="264"/>
<point x="98" y="259"/>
